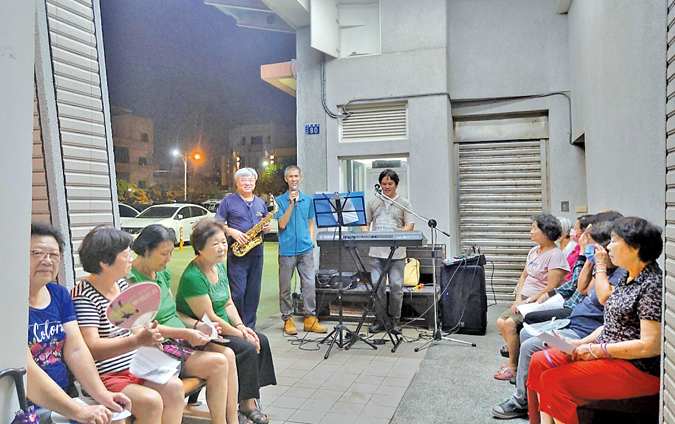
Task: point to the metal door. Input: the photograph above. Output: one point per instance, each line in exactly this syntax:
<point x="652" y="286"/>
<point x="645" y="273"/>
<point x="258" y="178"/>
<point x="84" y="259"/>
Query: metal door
<point x="501" y="185"/>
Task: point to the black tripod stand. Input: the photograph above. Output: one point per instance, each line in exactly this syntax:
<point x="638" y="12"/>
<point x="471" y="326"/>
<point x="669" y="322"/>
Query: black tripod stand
<point x="437" y="336"/>
<point x="341" y="336"/>
<point x="378" y="307"/>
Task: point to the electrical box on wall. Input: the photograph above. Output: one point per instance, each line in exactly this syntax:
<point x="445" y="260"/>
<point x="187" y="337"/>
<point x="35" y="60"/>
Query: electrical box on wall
<point x="345" y="28"/>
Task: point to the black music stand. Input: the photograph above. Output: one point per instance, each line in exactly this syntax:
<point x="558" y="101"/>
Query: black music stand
<point x="340" y="210"/>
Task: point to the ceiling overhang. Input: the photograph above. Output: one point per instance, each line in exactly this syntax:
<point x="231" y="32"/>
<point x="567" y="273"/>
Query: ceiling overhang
<point x="268" y="15"/>
<point x="281" y="75"/>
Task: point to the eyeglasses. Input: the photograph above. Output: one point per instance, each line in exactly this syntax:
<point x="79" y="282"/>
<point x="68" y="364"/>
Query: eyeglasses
<point x="39" y="255"/>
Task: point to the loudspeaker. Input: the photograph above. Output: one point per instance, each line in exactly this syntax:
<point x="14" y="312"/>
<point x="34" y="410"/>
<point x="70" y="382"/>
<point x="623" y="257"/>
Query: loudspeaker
<point x="463" y="301"/>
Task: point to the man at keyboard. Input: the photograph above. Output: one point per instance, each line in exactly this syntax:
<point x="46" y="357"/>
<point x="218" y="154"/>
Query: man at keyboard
<point x="382" y="214"/>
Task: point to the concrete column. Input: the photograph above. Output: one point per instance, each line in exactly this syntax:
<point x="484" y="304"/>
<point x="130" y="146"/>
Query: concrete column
<point x="312" y="156"/>
<point x="17" y="50"/>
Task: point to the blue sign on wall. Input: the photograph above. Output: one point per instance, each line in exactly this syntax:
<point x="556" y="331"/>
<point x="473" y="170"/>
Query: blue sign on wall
<point x="312" y="129"/>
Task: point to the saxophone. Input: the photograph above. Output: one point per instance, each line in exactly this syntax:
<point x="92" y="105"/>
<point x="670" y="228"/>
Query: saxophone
<point x="254" y="234"/>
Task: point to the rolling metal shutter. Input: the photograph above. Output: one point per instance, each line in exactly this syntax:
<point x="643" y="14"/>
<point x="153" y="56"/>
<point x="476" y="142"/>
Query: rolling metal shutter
<point x="501" y="185"/>
<point x="375" y="122"/>
<point x="668" y="351"/>
<point x="82" y="114"/>
<point x="40" y="204"/>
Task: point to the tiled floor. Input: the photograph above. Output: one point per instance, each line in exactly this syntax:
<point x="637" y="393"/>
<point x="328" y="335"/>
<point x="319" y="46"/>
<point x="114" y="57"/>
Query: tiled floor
<point x="359" y="385"/>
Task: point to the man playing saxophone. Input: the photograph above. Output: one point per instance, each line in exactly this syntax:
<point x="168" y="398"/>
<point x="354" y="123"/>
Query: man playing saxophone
<point x="240" y="212"/>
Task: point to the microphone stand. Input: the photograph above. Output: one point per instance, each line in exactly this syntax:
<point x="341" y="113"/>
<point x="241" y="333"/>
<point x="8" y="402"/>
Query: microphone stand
<point x="437" y="336"/>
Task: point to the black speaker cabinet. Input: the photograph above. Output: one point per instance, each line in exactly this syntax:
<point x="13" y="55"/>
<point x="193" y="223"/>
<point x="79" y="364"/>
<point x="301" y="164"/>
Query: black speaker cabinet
<point x="463" y="299"/>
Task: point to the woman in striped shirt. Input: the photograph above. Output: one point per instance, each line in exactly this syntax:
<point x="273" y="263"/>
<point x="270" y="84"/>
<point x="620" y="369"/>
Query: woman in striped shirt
<point x="106" y="255"/>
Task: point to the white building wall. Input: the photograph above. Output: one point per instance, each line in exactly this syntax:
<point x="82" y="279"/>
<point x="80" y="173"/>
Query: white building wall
<point x="506" y="48"/>
<point x="412" y="63"/>
<point x="618" y="81"/>
<point x="17" y="46"/>
<point x="501" y="50"/>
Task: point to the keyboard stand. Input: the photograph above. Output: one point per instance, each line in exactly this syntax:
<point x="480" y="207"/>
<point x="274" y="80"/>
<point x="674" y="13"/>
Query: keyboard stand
<point x="380" y="310"/>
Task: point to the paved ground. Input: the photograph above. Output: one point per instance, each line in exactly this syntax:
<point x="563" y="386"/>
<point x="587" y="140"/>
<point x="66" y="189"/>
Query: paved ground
<point x="448" y="383"/>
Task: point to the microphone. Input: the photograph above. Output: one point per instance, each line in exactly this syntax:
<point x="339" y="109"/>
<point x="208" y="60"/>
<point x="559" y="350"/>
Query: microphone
<point x="294" y="190"/>
<point x="378" y="189"/>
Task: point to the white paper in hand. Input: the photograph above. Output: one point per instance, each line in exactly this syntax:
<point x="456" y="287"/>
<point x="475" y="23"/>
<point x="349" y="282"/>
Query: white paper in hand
<point x="556" y="302"/>
<point x="214" y="332"/>
<point x="60" y="419"/>
<point x="558" y="343"/>
<point x="154" y="365"/>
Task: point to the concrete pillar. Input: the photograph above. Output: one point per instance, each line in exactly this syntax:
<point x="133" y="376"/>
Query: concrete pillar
<point x="17" y="51"/>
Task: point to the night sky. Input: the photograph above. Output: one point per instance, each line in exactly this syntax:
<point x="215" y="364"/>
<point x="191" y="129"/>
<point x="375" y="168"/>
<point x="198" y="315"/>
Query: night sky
<point x="187" y="67"/>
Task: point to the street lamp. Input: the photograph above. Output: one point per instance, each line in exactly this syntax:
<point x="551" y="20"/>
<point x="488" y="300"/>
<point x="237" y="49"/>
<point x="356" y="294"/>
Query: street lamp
<point x="195" y="156"/>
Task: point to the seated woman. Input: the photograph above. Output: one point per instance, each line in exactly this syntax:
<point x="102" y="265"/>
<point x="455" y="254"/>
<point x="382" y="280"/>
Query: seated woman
<point x="583" y="320"/>
<point x="204" y="289"/>
<point x="545" y="269"/>
<point x="621" y="359"/>
<point x="106" y="255"/>
<point x="569" y="246"/>
<point x="154" y="246"/>
<point x="574" y="291"/>
<point x="54" y="337"/>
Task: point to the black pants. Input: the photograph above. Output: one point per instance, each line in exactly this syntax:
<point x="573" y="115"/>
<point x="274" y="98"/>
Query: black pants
<point x="541" y="316"/>
<point x="255" y="369"/>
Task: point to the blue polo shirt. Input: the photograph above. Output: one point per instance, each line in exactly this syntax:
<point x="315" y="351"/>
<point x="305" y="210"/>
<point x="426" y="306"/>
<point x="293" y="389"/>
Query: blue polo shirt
<point x="295" y="239"/>
<point x="242" y="215"/>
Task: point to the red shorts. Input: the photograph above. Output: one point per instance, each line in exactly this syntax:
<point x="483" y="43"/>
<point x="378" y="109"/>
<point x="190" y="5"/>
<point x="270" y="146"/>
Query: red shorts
<point x="117" y="381"/>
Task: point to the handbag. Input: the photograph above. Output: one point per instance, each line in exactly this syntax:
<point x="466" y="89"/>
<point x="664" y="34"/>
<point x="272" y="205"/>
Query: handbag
<point x="411" y="275"/>
<point x="26" y="415"/>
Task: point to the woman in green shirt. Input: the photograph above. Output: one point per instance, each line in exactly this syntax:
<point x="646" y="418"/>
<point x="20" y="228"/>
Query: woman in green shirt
<point x="205" y="289"/>
<point x="213" y="363"/>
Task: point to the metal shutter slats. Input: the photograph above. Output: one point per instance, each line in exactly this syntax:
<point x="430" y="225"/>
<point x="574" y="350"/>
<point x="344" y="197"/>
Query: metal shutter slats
<point x="668" y="353"/>
<point x="81" y="117"/>
<point x="500" y="188"/>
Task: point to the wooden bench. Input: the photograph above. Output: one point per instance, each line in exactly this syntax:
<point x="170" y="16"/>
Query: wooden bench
<point x="192" y="386"/>
<point x="639" y="410"/>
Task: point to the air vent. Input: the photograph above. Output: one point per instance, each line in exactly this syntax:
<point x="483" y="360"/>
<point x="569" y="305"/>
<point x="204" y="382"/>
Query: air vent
<point x="375" y="122"/>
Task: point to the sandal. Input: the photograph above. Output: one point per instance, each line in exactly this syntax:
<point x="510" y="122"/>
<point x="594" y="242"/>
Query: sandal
<point x="243" y="419"/>
<point x="256" y="416"/>
<point x="504" y="374"/>
<point x="504" y="351"/>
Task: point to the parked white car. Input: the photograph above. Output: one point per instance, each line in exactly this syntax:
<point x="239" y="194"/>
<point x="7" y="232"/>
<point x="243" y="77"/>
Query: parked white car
<point x="173" y="216"/>
<point x="127" y="211"/>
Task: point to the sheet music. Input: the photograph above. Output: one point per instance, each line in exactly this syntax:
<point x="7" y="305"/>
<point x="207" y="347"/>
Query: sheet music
<point x="152" y="364"/>
<point x="556" y="302"/>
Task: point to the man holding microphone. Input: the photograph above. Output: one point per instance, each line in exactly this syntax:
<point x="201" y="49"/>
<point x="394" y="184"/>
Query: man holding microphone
<point x="296" y="250"/>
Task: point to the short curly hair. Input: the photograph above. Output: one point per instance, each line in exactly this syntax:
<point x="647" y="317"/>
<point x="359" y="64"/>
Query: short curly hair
<point x="151" y="237"/>
<point x="204" y="229"/>
<point x="640" y="234"/>
<point x="102" y="245"/>
<point x="39" y="229"/>
<point x="549" y="225"/>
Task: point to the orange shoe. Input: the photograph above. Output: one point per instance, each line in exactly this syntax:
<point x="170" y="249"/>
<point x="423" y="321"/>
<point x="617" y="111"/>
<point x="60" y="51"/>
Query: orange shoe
<point x="289" y="327"/>
<point x="312" y="324"/>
